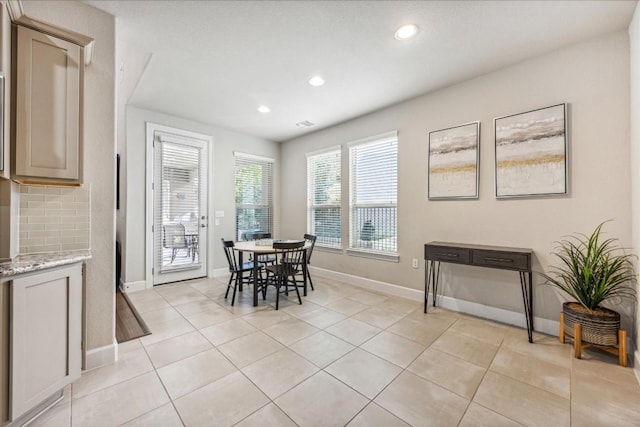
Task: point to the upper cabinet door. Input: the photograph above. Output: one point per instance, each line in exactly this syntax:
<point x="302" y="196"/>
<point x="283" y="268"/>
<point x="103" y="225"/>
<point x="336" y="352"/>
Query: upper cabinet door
<point x="47" y="106"/>
<point x="5" y="88"/>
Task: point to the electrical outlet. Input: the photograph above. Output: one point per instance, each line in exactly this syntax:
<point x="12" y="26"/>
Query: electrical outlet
<point x="414" y="263"/>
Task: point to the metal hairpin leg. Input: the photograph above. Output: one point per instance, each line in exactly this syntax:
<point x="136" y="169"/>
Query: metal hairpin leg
<point x="527" y="299"/>
<point x="431" y="279"/>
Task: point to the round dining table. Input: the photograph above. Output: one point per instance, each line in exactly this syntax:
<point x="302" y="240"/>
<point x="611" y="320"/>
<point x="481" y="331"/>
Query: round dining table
<point x="265" y="247"/>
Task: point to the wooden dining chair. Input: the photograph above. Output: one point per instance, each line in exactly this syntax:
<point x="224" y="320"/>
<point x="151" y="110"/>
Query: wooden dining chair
<point x="282" y="275"/>
<point x="236" y="271"/>
<point x="265" y="259"/>
<point x="311" y="239"/>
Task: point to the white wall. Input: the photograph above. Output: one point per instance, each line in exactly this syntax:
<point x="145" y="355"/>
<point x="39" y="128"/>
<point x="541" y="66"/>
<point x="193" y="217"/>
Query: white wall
<point x="634" y="55"/>
<point x="131" y="63"/>
<point x="223" y="172"/>
<point x="592" y="77"/>
<point x="99" y="156"/>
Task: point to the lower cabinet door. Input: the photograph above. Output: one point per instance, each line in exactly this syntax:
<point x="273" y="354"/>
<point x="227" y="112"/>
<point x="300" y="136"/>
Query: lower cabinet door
<point x="46" y="328"/>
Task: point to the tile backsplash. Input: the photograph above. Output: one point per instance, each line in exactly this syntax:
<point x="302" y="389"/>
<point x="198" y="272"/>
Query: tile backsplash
<point x="54" y="219"/>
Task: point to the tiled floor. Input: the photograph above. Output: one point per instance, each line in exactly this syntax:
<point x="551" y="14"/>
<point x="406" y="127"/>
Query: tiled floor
<point x="346" y="356"/>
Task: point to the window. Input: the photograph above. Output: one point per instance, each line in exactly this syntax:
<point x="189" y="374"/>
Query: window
<point x="324" y="197"/>
<point x="374" y="194"/>
<point x="254" y="194"/>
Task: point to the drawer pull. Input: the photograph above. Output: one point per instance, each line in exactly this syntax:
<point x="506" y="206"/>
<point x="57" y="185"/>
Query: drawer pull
<point x="498" y="259"/>
<point x="447" y="254"/>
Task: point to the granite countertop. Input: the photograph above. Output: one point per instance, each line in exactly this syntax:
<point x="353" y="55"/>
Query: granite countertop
<point x="35" y="262"/>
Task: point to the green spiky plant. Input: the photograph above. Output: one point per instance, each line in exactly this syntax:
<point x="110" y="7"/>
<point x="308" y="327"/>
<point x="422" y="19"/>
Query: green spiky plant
<point x="592" y="270"/>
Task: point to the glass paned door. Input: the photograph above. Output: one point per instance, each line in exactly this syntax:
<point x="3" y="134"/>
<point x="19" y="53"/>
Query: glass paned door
<point x="180" y="208"/>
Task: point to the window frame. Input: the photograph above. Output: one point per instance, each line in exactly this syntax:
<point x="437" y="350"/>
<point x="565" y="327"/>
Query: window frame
<point x="353" y="248"/>
<point x="311" y="206"/>
<point x="241" y="159"/>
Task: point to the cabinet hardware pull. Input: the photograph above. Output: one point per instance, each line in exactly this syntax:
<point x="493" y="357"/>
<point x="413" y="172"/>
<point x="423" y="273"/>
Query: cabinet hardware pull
<point x="446" y="254"/>
<point x="498" y="259"/>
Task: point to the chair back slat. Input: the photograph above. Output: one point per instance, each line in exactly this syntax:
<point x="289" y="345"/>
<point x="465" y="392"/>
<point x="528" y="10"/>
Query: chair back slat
<point x="290" y="255"/>
<point x="312" y="239"/>
<point x="228" y="246"/>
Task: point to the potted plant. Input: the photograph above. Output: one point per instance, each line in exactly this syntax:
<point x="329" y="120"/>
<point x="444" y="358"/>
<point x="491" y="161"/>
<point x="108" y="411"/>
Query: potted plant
<point x="592" y="271"/>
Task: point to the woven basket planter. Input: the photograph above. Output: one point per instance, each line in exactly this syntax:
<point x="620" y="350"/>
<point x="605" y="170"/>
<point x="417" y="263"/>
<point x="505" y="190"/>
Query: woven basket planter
<point x="599" y="328"/>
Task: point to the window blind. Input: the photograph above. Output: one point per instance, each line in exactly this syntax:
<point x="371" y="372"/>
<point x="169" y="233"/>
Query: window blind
<point x="178" y="204"/>
<point x="254" y="195"/>
<point x="324" y="197"/>
<point x="374" y="195"/>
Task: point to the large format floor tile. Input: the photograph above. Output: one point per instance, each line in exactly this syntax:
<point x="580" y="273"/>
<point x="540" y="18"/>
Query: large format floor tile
<point x="355" y="369"/>
<point x="321" y="348"/>
<point x="472" y="350"/>
<point x="456" y="375"/>
<point x="164" y="416"/>
<point x="321" y="401"/>
<point x="522" y="402"/>
<point x="279" y="372"/>
<point x="479" y="416"/>
<point x="353" y="331"/>
<point x="221" y="403"/>
<point x="374" y="416"/>
<point x="420" y="402"/>
<point x="186" y="375"/>
<point x="177" y="348"/>
<point x="249" y="348"/>
<point x="346" y="356"/>
<point x="120" y="403"/>
<point x="131" y="364"/>
<point x="394" y="348"/>
<point x="269" y="415"/>
<point x="533" y="371"/>
<point x="290" y="331"/>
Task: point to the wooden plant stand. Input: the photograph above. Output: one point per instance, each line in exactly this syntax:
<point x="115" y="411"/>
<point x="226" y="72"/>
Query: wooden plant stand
<point x="578" y="345"/>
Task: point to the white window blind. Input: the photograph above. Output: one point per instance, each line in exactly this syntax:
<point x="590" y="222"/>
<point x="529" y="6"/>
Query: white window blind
<point x="178" y="206"/>
<point x="254" y="195"/>
<point x="324" y="197"/>
<point x="374" y="195"/>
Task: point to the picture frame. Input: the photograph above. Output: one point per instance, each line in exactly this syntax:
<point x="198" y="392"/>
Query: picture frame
<point x="453" y="162"/>
<point x="531" y="153"/>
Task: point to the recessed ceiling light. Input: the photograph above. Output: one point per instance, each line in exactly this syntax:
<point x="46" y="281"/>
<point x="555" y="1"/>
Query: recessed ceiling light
<point x="316" y="81"/>
<point x="305" y="124"/>
<point x="264" y="109"/>
<point x="406" y="32"/>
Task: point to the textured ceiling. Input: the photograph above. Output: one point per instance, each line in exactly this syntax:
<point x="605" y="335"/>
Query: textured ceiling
<point x="217" y="61"/>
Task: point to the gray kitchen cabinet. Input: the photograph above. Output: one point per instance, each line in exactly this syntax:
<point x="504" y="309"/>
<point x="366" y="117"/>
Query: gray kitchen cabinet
<point x="5" y="92"/>
<point x="48" y="98"/>
<point x="44" y="337"/>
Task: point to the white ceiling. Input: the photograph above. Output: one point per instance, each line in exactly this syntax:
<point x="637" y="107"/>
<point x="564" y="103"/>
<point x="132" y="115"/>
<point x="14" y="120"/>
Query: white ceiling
<point x="217" y="61"/>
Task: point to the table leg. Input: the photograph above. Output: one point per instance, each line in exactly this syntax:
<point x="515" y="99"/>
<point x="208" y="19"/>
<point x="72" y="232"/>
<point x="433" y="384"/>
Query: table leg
<point x="255" y="279"/>
<point x="240" y="262"/>
<point x="304" y="271"/>
<point x="426" y="285"/>
<point x="527" y="299"/>
<point x="435" y="276"/>
<point x="431" y="278"/>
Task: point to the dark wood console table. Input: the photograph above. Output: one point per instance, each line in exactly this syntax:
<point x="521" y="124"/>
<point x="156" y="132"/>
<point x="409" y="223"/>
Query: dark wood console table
<point x="503" y="258"/>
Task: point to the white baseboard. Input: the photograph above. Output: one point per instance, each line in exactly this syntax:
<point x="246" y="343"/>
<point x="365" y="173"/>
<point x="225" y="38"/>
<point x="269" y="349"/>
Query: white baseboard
<point x="140" y="285"/>
<point x="387" y="288"/>
<point x="546" y="326"/>
<point x="101" y="356"/>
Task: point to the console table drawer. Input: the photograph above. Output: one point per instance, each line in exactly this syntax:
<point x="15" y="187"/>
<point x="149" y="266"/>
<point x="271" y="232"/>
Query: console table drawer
<point x="506" y="260"/>
<point x="447" y="254"/>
